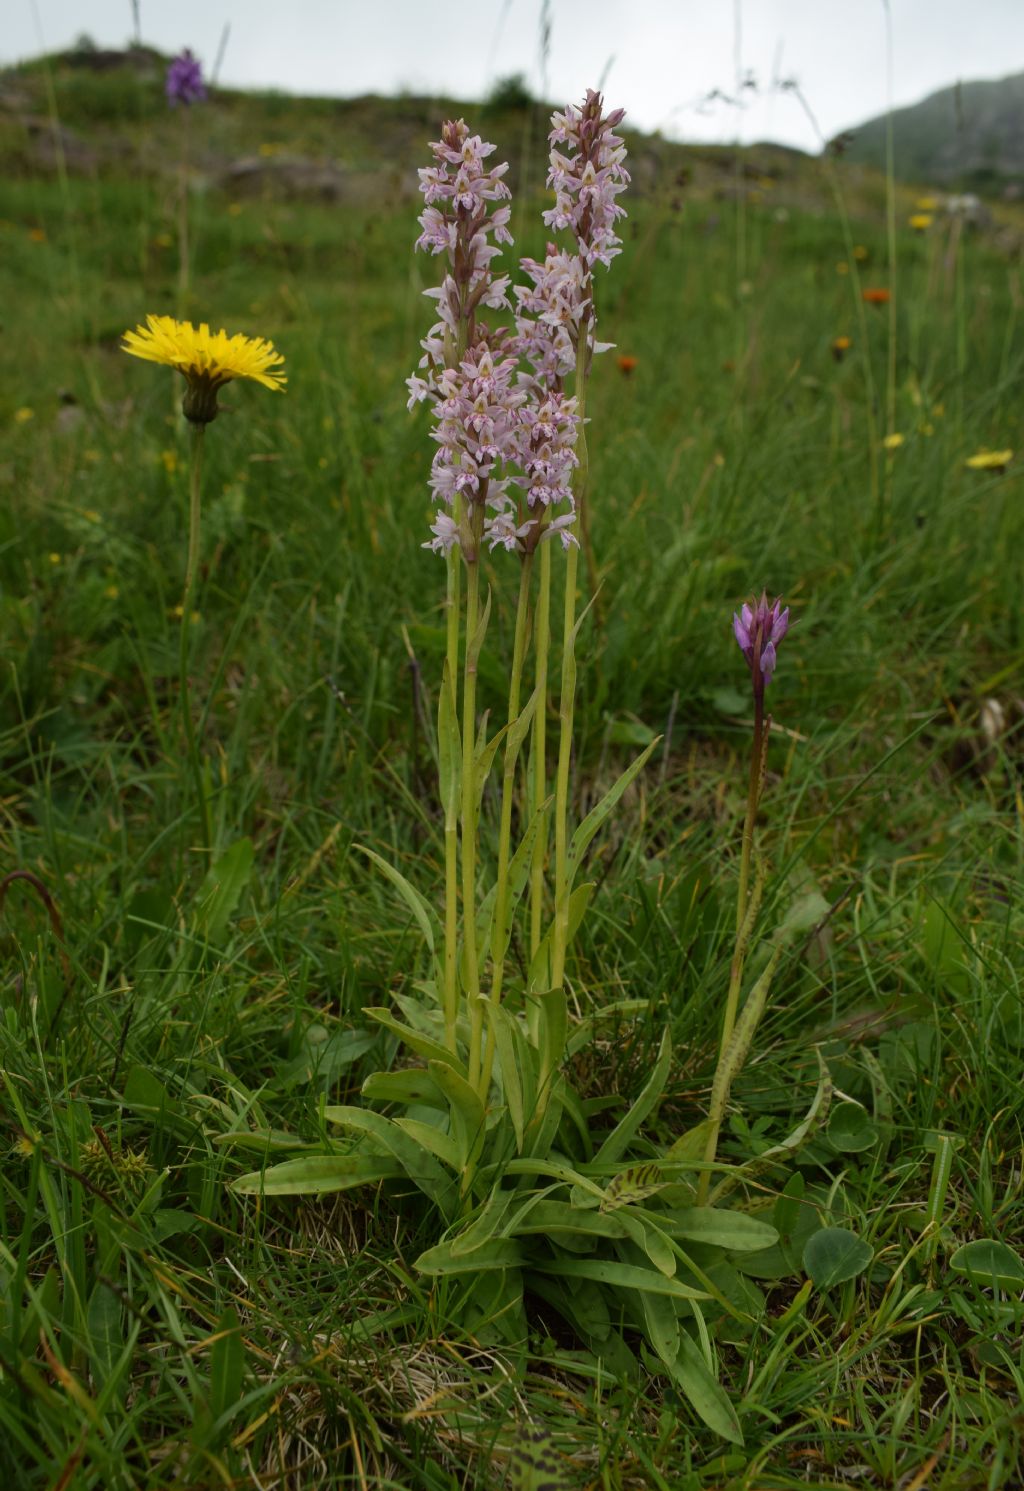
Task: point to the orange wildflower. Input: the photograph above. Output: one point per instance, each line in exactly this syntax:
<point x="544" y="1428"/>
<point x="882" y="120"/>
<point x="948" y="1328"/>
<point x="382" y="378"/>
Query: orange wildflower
<point x="626" y="364"/>
<point x="876" y="295"/>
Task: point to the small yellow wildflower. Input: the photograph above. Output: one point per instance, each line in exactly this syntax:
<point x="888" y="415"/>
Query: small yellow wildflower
<point x="23" y="415"/>
<point x="37" y="235"/>
<point x="989" y="460"/>
<point x="170" y="461"/>
<point x="893" y="441"/>
<point x="860" y="252"/>
<point x="54" y="558"/>
<point x="842" y="267"/>
<point x="91" y="515"/>
<point x="921" y="221"/>
<point x="112" y="592"/>
<point x="207" y="360"/>
<point x="926" y="204"/>
<point x="840" y="347"/>
<point x="234" y="209"/>
<point x="178" y="612"/>
<point x="163" y="240"/>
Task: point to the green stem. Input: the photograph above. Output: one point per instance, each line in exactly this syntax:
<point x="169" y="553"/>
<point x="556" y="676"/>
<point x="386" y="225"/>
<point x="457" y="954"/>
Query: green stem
<point x="501" y="907"/>
<point x="451" y="815"/>
<point x="744" y="930"/>
<point x="191" y="575"/>
<point x="567" y="693"/>
<point x="469" y="810"/>
<point x="542" y="645"/>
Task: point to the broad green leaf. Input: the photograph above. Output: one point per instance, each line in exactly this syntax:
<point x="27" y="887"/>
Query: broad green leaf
<point x="316" y="1175"/>
<point x="733" y="1230"/>
<point x="553" y="1218"/>
<point x="662" y="1322"/>
<point x="621" y="1275"/>
<point x="535" y="1464"/>
<point x="467" y="1111"/>
<point x="693" y="1377"/>
<point x="227" y="1364"/>
<point x="485" y="1224"/>
<point x="834" y="1255"/>
<point x="850" y="1129"/>
<point x="515" y="1063"/>
<point x="598" y="815"/>
<point x="441" y="1145"/>
<point x="650" y="1239"/>
<point x="421" y="909"/>
<point x="500" y="1252"/>
<point x="944" y="946"/>
<point x="261" y="1140"/>
<point x="991" y="1264"/>
<point x="420" y="1166"/>
<point x="421" y="1044"/>
<point x="222" y="889"/>
<point x="410" y="1085"/>
<point x="554" y="1023"/>
<point x="627" y="1128"/>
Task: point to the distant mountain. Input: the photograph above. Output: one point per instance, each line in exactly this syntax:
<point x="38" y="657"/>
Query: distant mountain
<point x="968" y="137"/>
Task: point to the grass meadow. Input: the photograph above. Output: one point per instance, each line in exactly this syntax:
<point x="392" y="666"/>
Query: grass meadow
<point x="169" y="1018"/>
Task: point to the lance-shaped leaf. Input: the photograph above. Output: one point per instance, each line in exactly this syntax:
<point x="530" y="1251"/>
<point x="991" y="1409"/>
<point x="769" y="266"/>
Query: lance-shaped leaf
<point x="317" y="1175"/>
<point x="540" y="963"/>
<point x="695" y="1380"/>
<point x="466" y="1109"/>
<point x="598" y="815"/>
<point x="420" y="1166"/>
<point x="516" y="1064"/>
<point x="421" y="1044"/>
<point x="621" y="1275"/>
<point x="500" y="1252"/>
<point x="816" y="1115"/>
<point x="628" y="1126"/>
<point x="421" y="909"/>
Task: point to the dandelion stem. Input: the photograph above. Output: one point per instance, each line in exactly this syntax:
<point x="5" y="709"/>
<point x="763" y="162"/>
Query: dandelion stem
<point x="501" y="908"/>
<point x="191" y="575"/>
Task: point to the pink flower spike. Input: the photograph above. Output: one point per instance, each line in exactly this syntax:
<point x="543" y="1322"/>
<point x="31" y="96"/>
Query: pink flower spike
<point x="759" y="629"/>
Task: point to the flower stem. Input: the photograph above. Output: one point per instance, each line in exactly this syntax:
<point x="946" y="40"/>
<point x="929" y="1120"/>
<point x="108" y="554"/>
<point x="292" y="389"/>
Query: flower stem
<point x="567" y="693"/>
<point x="469" y="807"/>
<point x="745" y="913"/>
<point x="539" y="747"/>
<point x="501" y="907"/>
<point x="191" y="574"/>
<point x="451" y="816"/>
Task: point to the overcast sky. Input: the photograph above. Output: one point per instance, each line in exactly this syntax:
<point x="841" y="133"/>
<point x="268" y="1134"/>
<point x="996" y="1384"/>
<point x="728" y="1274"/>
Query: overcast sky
<point x="659" y="58"/>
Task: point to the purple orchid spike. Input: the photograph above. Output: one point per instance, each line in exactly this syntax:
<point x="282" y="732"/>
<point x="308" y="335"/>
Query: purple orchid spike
<point x="758" y="630"/>
<point x="184" y="84"/>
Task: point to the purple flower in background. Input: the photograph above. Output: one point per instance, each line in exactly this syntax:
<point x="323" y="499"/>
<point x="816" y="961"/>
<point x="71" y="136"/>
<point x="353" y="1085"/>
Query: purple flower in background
<point x="758" y="631"/>
<point x="184" y="83"/>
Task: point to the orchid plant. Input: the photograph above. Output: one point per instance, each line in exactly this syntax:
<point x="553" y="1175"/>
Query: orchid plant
<point x="534" y="1191"/>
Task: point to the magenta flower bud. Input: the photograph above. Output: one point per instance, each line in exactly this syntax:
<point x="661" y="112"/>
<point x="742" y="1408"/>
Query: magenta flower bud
<point x="759" y="629"/>
<point x="184" y="84"/>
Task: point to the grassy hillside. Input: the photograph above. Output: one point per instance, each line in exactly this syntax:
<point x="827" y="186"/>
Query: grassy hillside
<point x="966" y="138"/>
<point x="181" y="1017"/>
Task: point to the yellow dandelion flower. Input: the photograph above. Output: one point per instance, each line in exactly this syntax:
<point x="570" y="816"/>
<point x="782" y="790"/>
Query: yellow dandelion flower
<point x="860" y="252"/>
<point x="206" y="359"/>
<point x="989" y="460"/>
<point x="926" y="204"/>
<point x="23" y="415"/>
<point x="921" y="221"/>
<point x="894" y="441"/>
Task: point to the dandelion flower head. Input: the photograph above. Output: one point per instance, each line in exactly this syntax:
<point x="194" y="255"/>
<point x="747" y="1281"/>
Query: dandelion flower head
<point x="989" y="460"/>
<point x="206" y="359"/>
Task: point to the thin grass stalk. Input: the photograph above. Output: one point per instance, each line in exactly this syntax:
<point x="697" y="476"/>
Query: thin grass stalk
<point x="501" y="907"/>
<point x="191" y="573"/>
